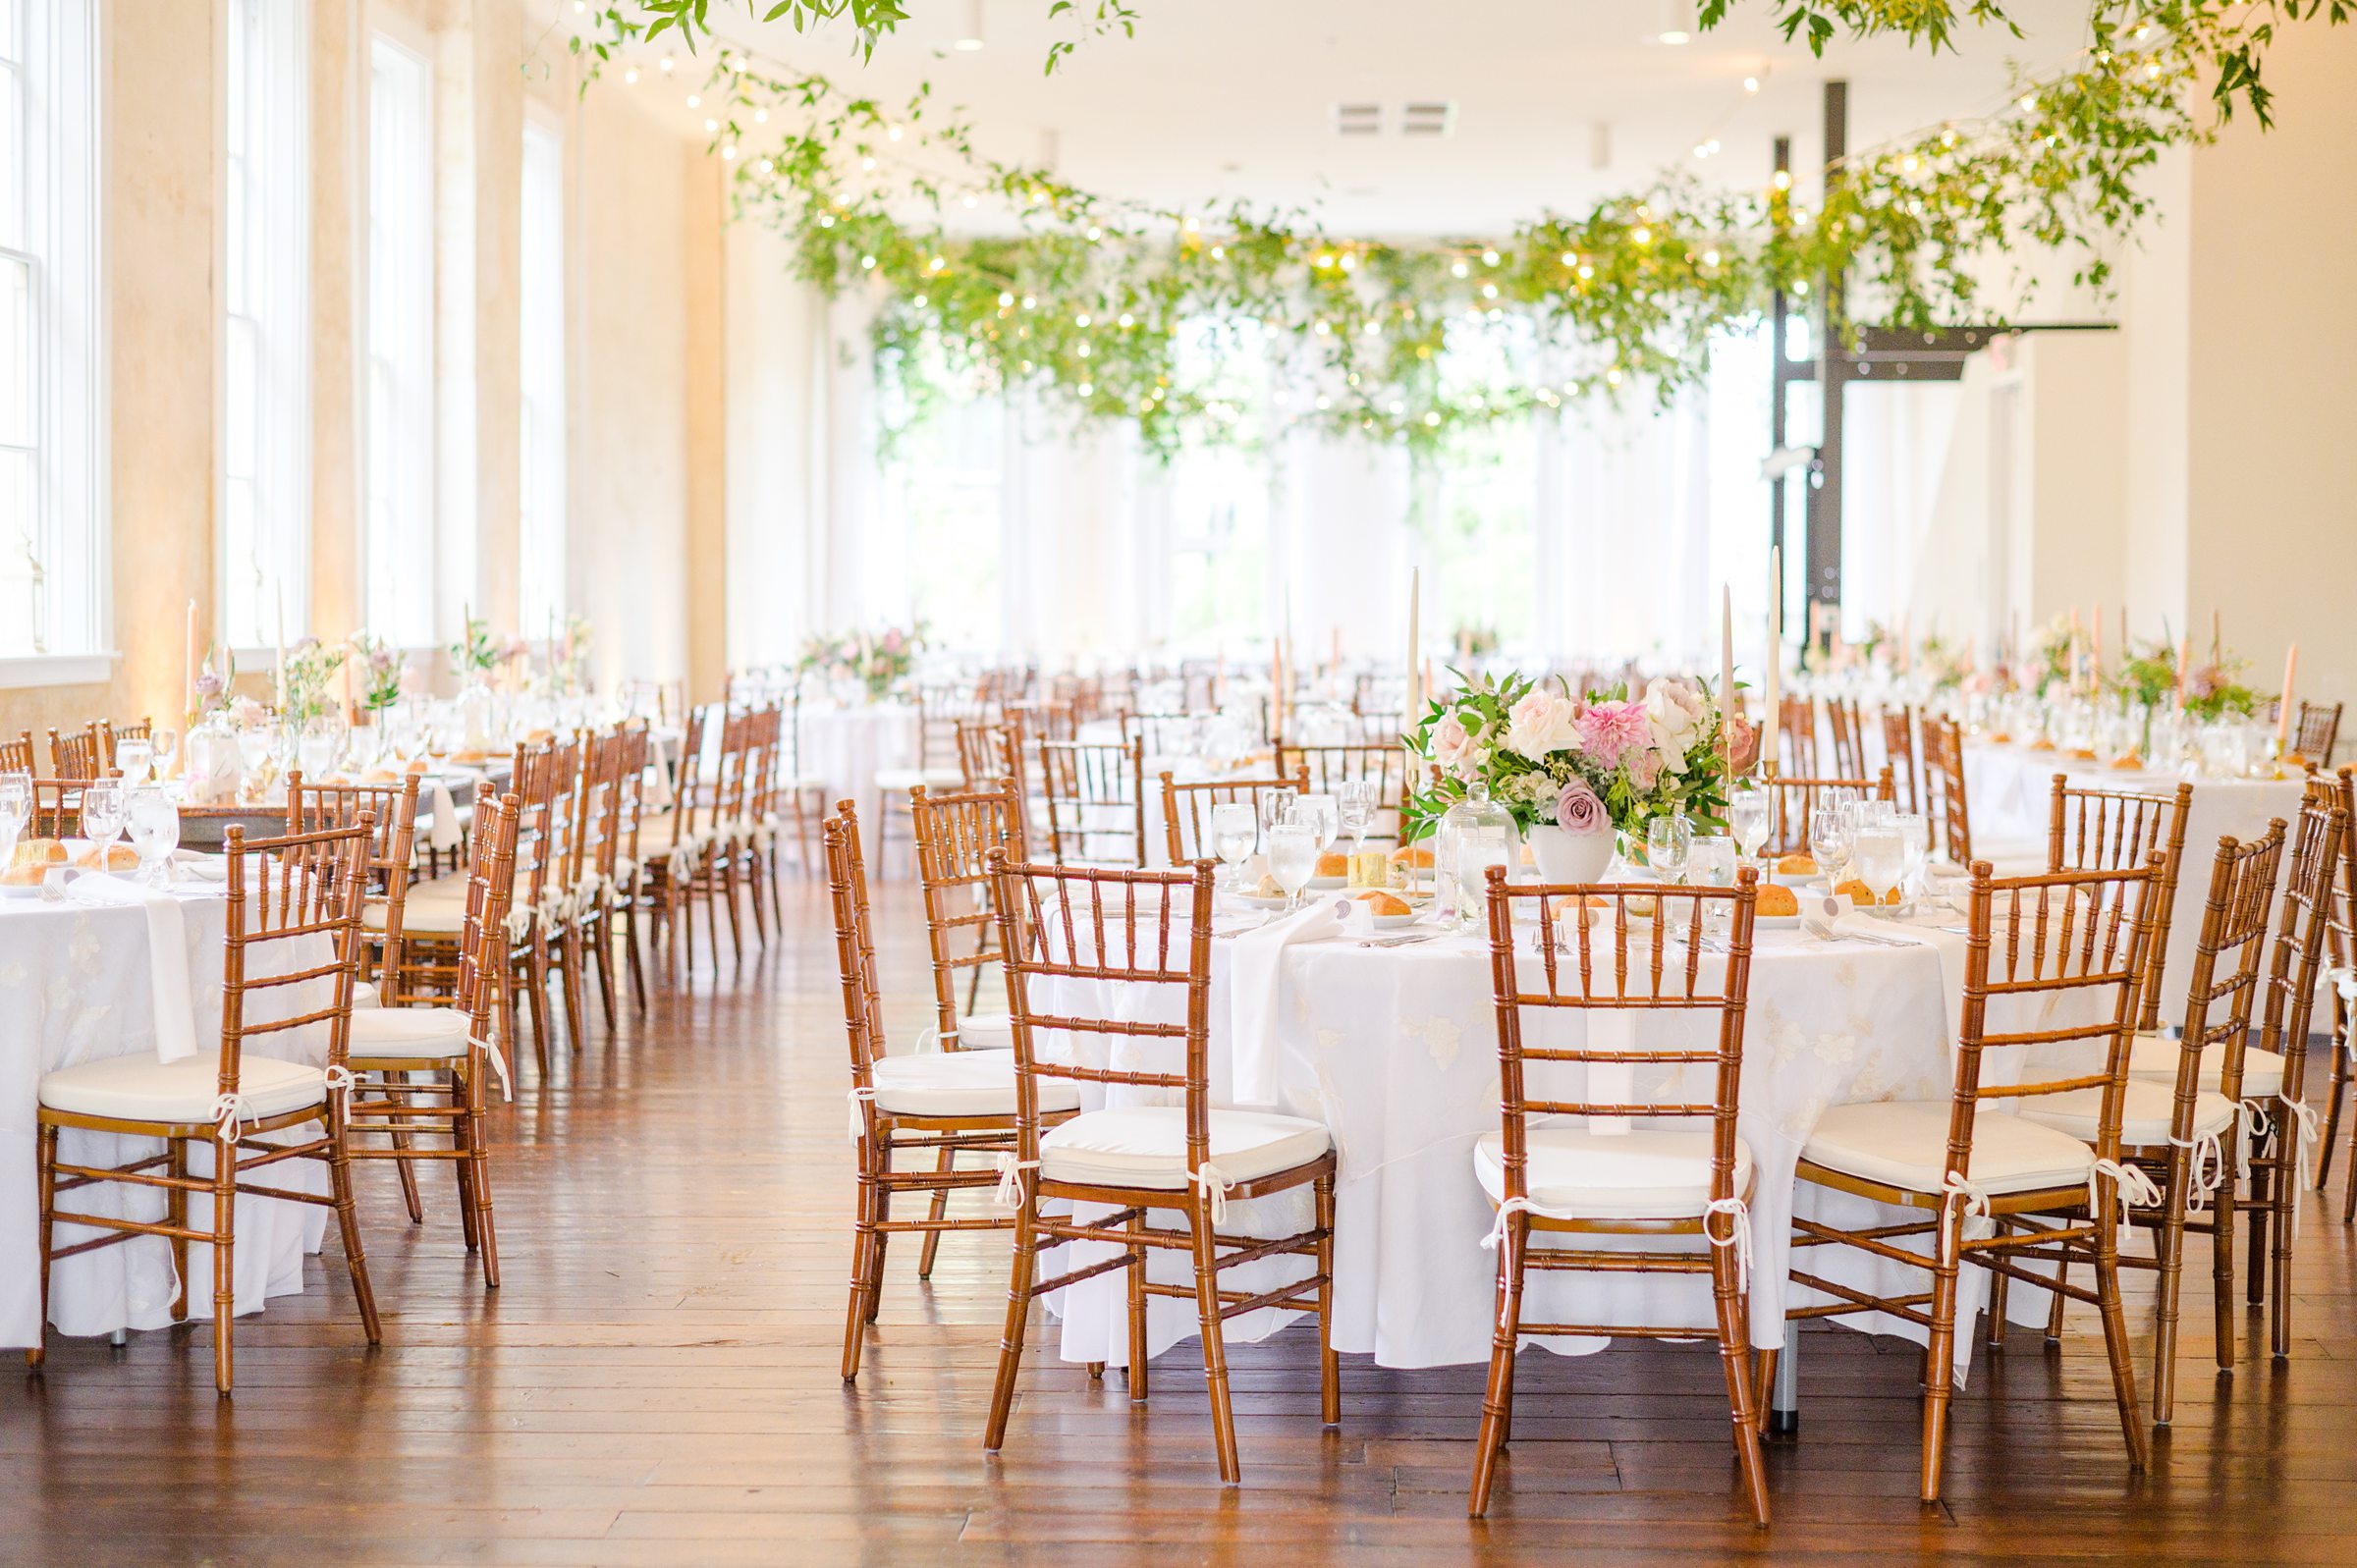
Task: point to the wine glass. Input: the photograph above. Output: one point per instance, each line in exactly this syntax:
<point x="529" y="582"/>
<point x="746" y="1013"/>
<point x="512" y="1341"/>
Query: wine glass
<point x="102" y="816"/>
<point x="317" y="747"/>
<point x="1356" y="801"/>
<point x="1232" y="835"/>
<point x="15" y="810"/>
<point x="1324" y="814"/>
<point x="1668" y="841"/>
<point x="1711" y="863"/>
<point x="1748" y="808"/>
<point x="133" y="758"/>
<point x="1828" y="837"/>
<point x="1880" y="857"/>
<point x="1275" y="805"/>
<point x="1293" y="857"/>
<point x="1915" y="839"/>
<point x="165" y="745"/>
<point x="154" y="822"/>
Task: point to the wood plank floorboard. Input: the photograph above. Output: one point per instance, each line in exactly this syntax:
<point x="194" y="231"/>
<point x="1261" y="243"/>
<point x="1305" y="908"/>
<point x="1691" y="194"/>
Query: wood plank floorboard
<point x="656" y="1384"/>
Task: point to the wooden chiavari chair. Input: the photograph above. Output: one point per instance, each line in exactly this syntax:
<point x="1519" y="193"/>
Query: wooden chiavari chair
<point x="556" y="939"/>
<point x="598" y="857"/>
<point x="2070" y="945"/>
<point x="719" y="856"/>
<point x="1944" y="787"/>
<point x="628" y="876"/>
<point x="801" y="799"/>
<point x="2278" y="1134"/>
<point x="541" y="853"/>
<point x="288" y="963"/>
<point x="2176" y="1127"/>
<point x="1567" y="1179"/>
<point x="1148" y="934"/>
<point x="1796" y="730"/>
<point x="954" y="834"/>
<point x="764" y="784"/>
<point x="2314" y="735"/>
<point x="668" y="849"/>
<point x="1898" y="755"/>
<point x="16" y="756"/>
<point x="75" y="754"/>
<point x="2341" y="934"/>
<point x="1187" y="810"/>
<point x="1791" y="800"/>
<point x="2104" y="830"/>
<point x="110" y="732"/>
<point x="937" y="766"/>
<point x="983" y="752"/>
<point x="1046" y="719"/>
<point x="1384" y="769"/>
<point x="948" y="1103"/>
<point x="56" y="809"/>
<point x="1096" y="801"/>
<point x="424" y="1071"/>
<point x="1849" y="735"/>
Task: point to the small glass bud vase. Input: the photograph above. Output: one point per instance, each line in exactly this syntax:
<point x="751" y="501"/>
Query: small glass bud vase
<point x="1475" y="835"/>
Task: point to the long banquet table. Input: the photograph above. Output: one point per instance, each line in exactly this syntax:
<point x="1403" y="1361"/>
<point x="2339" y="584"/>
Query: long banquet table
<point x="77" y="984"/>
<point x="1394" y="1049"/>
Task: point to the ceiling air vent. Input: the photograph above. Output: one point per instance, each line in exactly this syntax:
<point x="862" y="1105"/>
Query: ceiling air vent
<point x="1427" y="118"/>
<point x="1357" y="120"/>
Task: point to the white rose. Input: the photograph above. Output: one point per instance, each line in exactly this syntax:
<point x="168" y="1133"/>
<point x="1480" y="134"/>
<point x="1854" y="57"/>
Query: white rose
<point x="1673" y="711"/>
<point x="1539" y="724"/>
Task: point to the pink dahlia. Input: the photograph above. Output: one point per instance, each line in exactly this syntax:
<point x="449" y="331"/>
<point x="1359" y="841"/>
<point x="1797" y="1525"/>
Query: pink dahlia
<point x="1610" y="729"/>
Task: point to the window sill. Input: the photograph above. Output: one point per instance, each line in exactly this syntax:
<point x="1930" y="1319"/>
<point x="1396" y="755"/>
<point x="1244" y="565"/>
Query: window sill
<point x="57" y="669"/>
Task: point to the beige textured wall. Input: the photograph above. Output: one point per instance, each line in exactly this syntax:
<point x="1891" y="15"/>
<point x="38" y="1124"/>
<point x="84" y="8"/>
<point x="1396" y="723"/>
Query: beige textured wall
<point x="644" y="354"/>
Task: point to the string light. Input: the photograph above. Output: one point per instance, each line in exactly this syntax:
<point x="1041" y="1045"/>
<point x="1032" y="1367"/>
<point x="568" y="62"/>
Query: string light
<point x="630" y="77"/>
<point x="1751" y="83"/>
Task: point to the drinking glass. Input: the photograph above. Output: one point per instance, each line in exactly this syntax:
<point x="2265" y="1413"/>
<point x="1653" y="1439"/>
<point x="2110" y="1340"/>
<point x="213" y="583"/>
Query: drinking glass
<point x="1915" y="836"/>
<point x="154" y="830"/>
<point x="1324" y="814"/>
<point x="1292" y="857"/>
<point x="1711" y="863"/>
<point x="15" y="810"/>
<point x="1748" y="808"/>
<point x="1880" y="857"/>
<point x="1668" y="841"/>
<point x="1275" y="805"/>
<point x="317" y="748"/>
<point x="1829" y="838"/>
<point x="1232" y="835"/>
<point x="1356" y="803"/>
<point x="102" y="815"/>
<point x="133" y="759"/>
<point x="253" y="744"/>
<point x="165" y="746"/>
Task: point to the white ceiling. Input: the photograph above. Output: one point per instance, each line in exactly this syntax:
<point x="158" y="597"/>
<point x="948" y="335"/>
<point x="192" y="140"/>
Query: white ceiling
<point x="1216" y="99"/>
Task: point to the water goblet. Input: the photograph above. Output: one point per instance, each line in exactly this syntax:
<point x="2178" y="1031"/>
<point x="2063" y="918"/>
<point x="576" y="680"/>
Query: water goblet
<point x="1711" y="863"/>
<point x="102" y="816"/>
<point x="1748" y="809"/>
<point x="1293" y="857"/>
<point x="154" y="822"/>
<point x="1829" y="838"/>
<point x="1322" y="813"/>
<point x="1880" y="857"/>
<point x="133" y="759"/>
<point x="1275" y="805"/>
<point x="1668" y="841"/>
<point x="15" y="810"/>
<point x="1232" y="835"/>
<point x="165" y="744"/>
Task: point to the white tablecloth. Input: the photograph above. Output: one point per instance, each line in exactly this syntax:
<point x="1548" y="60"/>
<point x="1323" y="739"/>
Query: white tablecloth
<point x="74" y="987"/>
<point x="2010" y="790"/>
<point x="844" y="749"/>
<point x="1394" y="1049"/>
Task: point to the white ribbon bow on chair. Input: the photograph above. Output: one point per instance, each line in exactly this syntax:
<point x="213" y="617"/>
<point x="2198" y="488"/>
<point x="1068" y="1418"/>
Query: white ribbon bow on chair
<point x="1501" y="1235"/>
<point x="1215" y="1187"/>
<point x="1974" y="1205"/>
<point x="340" y="1080"/>
<point x="1009" y="1191"/>
<point x="2135" y="1188"/>
<point x="1738" y="1234"/>
<point x="859" y="1121"/>
<point x="499" y="1064"/>
<point x="228" y="1113"/>
<point x="2209" y="1172"/>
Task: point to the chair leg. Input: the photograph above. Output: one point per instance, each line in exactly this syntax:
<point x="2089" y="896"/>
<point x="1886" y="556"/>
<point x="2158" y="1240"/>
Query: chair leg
<point x="1329" y="1367"/>
<point x="2168" y="1244"/>
<point x="2053" y="1307"/>
<point x="569" y="960"/>
<point x="1215" y="1341"/>
<point x="175" y="1215"/>
<point x="863" y="1275"/>
<point x="535" y="994"/>
<point x="1139" y="1350"/>
<point x="225" y="1294"/>
<point x="402" y="1165"/>
<point x="2115" y="1338"/>
<point x="1939" y="1355"/>
<point x="879" y="1242"/>
<point x="1763" y="1385"/>
<point x="2262" y="1186"/>
<point x="1997" y="1297"/>
<point x="1018" y="1313"/>
<point x="2222" y="1266"/>
<point x="749" y="862"/>
<point x="348" y="1221"/>
<point x="39" y="1352"/>
<point x="464" y="1130"/>
<point x="725" y="888"/>
<point x="2340" y="1084"/>
<point x="944" y="1163"/>
<point x="2286" y="1147"/>
<point x="601" y="953"/>
<point x="1734" y="1355"/>
<point x="1498" y="1397"/>
<point x="629" y="947"/>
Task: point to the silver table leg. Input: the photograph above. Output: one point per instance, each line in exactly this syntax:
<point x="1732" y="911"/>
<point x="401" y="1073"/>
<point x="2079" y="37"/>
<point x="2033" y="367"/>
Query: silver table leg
<point x="119" y="1338"/>
<point x="1784" y="1400"/>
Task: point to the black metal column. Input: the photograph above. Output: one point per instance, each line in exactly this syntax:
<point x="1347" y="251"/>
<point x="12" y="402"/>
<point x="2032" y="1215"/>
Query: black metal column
<point x="1824" y="553"/>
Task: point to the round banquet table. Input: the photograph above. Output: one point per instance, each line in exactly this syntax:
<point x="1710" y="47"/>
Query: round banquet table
<point x="2010" y="789"/>
<point x="1394" y="1048"/>
<point x="77" y="984"/>
<point x="845" y="748"/>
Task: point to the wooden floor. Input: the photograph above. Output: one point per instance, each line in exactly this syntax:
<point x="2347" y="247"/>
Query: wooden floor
<point x="657" y="1385"/>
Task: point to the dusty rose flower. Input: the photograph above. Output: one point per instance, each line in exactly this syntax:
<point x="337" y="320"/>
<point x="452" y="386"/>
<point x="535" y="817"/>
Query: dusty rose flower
<point x="1742" y="745"/>
<point x="209" y="687"/>
<point x="1578" y="810"/>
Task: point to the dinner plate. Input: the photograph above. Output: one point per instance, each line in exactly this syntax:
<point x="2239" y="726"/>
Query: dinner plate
<point x="1328" y="884"/>
<point x="12" y="890"/>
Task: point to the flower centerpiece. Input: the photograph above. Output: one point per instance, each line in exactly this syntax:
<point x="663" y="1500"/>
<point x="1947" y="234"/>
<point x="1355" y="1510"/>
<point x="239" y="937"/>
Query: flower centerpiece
<point x="377" y="662"/>
<point x="303" y="694"/>
<point x="2216" y="690"/>
<point x="1576" y="769"/>
<point x="477" y="652"/>
<point x="878" y="661"/>
<point x="2047" y="664"/>
<point x="1943" y="664"/>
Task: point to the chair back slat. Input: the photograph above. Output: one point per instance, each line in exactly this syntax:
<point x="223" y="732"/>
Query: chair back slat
<point x="1794" y="799"/>
<point x="281" y="891"/>
<point x="1849" y="735"/>
<point x="2319" y="892"/>
<point x="1384" y="768"/>
<point x="1187" y="810"/>
<point x="392" y="809"/>
<point x="1095" y="796"/>
<point x="954" y="835"/>
<point x="1944" y="787"/>
<point x="1898" y="755"/>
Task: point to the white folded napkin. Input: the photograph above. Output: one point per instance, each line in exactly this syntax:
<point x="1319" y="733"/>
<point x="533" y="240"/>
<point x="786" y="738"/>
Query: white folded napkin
<point x="1255" y="978"/>
<point x="167" y="957"/>
<point x="443" y="836"/>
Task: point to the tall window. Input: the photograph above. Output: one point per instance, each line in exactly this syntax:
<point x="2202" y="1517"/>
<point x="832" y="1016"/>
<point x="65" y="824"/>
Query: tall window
<point x="542" y="379"/>
<point x="265" y="327"/>
<point x="399" y="459"/>
<point x="53" y="553"/>
<point x="1220" y="539"/>
<point x="948" y="488"/>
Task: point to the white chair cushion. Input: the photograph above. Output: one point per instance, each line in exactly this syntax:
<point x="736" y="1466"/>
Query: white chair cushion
<point x="396" y="1034"/>
<point x="656" y="836"/>
<point x="364" y="994"/>
<point x="961" y="1083"/>
<point x="945" y="778"/>
<point x="1646" y="1173"/>
<point x="2154" y="1058"/>
<point x="1145" y="1146"/>
<point x="1903" y="1144"/>
<point x="900" y="781"/>
<point x="142" y="1089"/>
<point x="2145" y="1113"/>
<point x="437" y="907"/>
<point x="986" y="1031"/>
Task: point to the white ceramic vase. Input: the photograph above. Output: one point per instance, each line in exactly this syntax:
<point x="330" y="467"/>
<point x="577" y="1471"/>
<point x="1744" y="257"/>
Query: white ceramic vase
<point x="1570" y="856"/>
